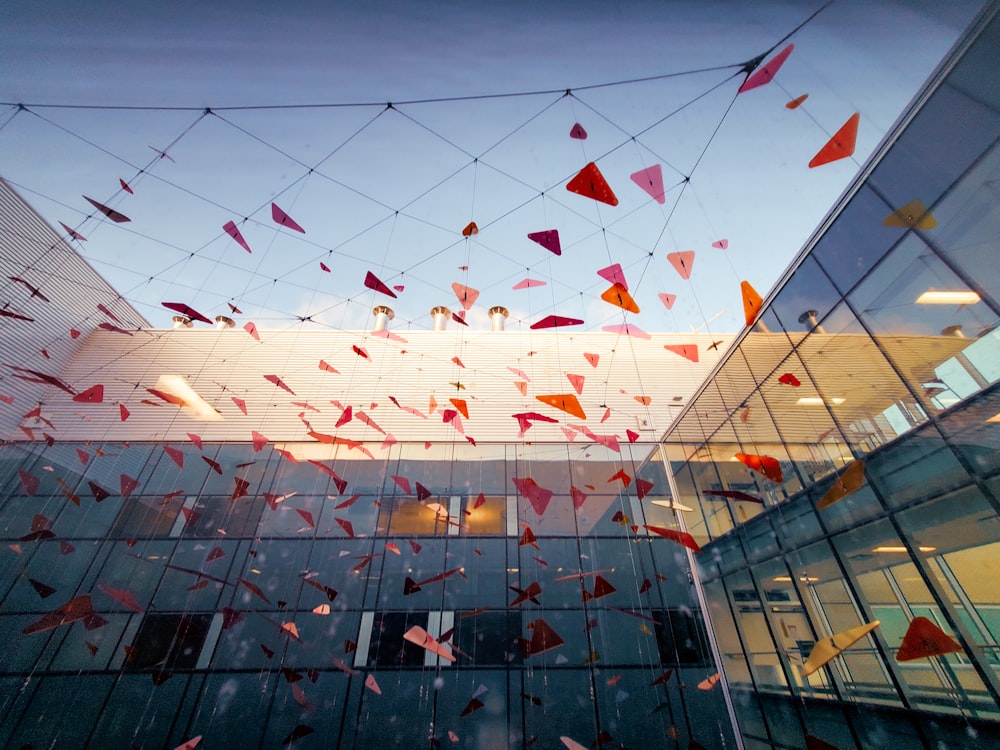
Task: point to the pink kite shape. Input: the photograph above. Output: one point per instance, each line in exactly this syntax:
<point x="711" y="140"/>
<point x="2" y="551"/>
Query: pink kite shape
<point x="766" y="73"/>
<point x="527" y="284"/>
<point x="374" y="282"/>
<point x="578" y="132"/>
<point x="721" y="244"/>
<point x="190" y="312"/>
<point x="467" y="296"/>
<point x="614" y="274"/>
<point x="628" y="330"/>
<point x="280" y="217"/>
<point x="651" y="180"/>
<point x="555" y="321"/>
<point x="251" y="328"/>
<point x="233" y="231"/>
<point x="668" y="300"/>
<point x="683" y="262"/>
<point x="548" y="239"/>
<point x="577" y="382"/>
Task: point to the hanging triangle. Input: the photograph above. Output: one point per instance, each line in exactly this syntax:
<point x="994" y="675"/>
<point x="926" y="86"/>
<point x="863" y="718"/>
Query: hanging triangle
<point x="93" y="395"/>
<point x="280" y="217"/>
<point x="549" y="239"/>
<point x="470" y="229"/>
<point x="796" y="102"/>
<point x="522" y="387"/>
<point x="651" y="180"/>
<point x="233" y="231"/>
<point x="576" y="381"/>
<point x="618" y="296"/>
<point x="667" y="299"/>
<point x="721" y="244"/>
<point x="815" y="743"/>
<point x="642" y="487"/>
<point x="751" y="302"/>
<point x="592" y="358"/>
<point x="924" y="639"/>
<point x="566" y="402"/>
<point x="913" y="215"/>
<point x="578" y="132"/>
<point x="175" y="455"/>
<point x="123" y="412"/>
<point x="681" y="537"/>
<point x="72" y="233"/>
<point x="462" y="405"/>
<point x="374" y="282"/>
<point x="765" y="465"/>
<point x="467" y="296"/>
<point x="688" y="351"/>
<point x="100" y="494"/>
<point x="555" y="321"/>
<point x="841" y="145"/>
<point x="614" y="274"/>
<point x="683" y="262"/>
<point x="826" y="649"/>
<point x="590" y="183"/>
<point x="107" y="211"/>
<point x="850" y="481"/>
<point x="579" y="497"/>
<point x="128" y="485"/>
<point x="527" y="284"/>
<point x="766" y="73"/>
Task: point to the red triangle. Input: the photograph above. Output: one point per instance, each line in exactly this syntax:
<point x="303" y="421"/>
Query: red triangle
<point x="579" y="497"/>
<point x="233" y="231"/>
<point x="688" y="351"/>
<point x="815" y="743"/>
<point x="576" y="381"/>
<point x="93" y="395"/>
<point x="592" y="358"/>
<point x="373" y="282"/>
<point x="470" y="229"/>
<point x="766" y="465"/>
<point x="683" y="262"/>
<point x="841" y="145"/>
<point x="651" y="180"/>
<point x="99" y="492"/>
<point x="590" y="183"/>
<point x="923" y="639"/>
<point x="280" y="217"/>
<point x="128" y="484"/>
<point x="123" y="412"/>
<point x="548" y="239"/>
<point x="175" y="455"/>
<point x="602" y="588"/>
<point x="642" y="487"/>
<point x="467" y="296"/>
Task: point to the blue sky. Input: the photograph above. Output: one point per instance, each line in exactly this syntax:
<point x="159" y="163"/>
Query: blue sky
<point x="392" y="189"/>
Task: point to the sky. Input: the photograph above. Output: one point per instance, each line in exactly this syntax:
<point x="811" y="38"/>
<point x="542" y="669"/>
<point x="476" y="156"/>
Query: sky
<point x="388" y="190"/>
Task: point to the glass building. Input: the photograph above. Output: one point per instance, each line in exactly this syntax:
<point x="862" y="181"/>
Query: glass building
<point x="395" y="580"/>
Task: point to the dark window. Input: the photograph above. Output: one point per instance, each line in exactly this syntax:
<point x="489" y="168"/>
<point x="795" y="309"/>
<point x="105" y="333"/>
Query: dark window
<point x="168" y="642"/>
<point x="388" y="647"/>
<point x="681" y="637"/>
<point x="489" y="638"/>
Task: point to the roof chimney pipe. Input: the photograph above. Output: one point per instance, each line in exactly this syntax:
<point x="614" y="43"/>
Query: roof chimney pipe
<point x="497" y="315"/>
<point x="440" y="314"/>
<point x="382" y="315"/>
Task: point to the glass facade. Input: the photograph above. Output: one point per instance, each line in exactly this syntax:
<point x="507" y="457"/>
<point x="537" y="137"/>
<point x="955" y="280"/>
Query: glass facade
<point x="878" y="358"/>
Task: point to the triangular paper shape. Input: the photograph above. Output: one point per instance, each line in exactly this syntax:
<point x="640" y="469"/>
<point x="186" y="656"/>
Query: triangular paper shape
<point x="578" y="132"/>
<point x="576" y="381"/>
<point x="116" y="217"/>
<point x="128" y="485"/>
<point x="543" y="638"/>
<point x="826" y="649"/>
<point x="467" y="296"/>
<point x="555" y="321"/>
<point x="233" y="231"/>
<point x="841" y="145"/>
<point x="175" y="455"/>
<point x="618" y="296"/>
<point x="566" y="402"/>
<point x="590" y="183"/>
<point x="651" y="180"/>
<point x="688" y="351"/>
<point x="93" y="395"/>
<point x="594" y="359"/>
<point x="280" y="217"/>
<point x="721" y="244"/>
<point x="642" y="487"/>
<point x="527" y="284"/>
<point x="924" y="639"/>
<point x="765" y="74"/>
<point x="765" y="465"/>
<point x="681" y="537"/>
<point x="470" y="229"/>
<point x="373" y="282"/>
<point x="796" y="102"/>
<point x="668" y="300"/>
<point x="751" y="302"/>
<point x="850" y="481"/>
<point x="913" y="215"/>
<point x="683" y="262"/>
<point x="614" y="274"/>
<point x="579" y="497"/>
<point x="549" y="239"/>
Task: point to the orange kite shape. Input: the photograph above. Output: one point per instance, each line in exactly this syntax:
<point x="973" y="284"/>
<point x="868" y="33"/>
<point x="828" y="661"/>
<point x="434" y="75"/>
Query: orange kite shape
<point x="470" y="229"/>
<point x="765" y="465"/>
<point x="841" y="145"/>
<point x="924" y="639"/>
<point x="590" y="183"/>
<point x="618" y="296"/>
<point x="688" y="351"/>
<point x="566" y="402"/>
<point x="751" y="302"/>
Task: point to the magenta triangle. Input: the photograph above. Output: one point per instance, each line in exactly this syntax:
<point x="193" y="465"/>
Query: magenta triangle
<point x="233" y="231"/>
<point x="614" y="274"/>
<point x="280" y="217"/>
<point x="548" y="239"/>
<point x="373" y="282"/>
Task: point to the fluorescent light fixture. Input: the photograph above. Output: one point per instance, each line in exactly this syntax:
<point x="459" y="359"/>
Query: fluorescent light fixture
<point x="196" y="406"/>
<point x="817" y="401"/>
<point x="888" y="548"/>
<point x="788" y="579"/>
<point x="945" y="297"/>
<point x="672" y="505"/>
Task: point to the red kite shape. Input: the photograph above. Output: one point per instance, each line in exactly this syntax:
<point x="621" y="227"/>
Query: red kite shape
<point x="543" y="638"/>
<point x="93" y="395"/>
<point x="555" y="321"/>
<point x="590" y="183"/>
<point x="789" y="379"/>
<point x="765" y="465"/>
<point x="278" y="382"/>
<point x="549" y="239"/>
<point x="470" y="229"/>
<point x="527" y="284"/>
<point x="280" y="217"/>
<point x="109" y="212"/>
<point x="924" y="639"/>
<point x="681" y="537"/>
<point x="188" y="312"/>
<point x="73" y="233"/>
<point x="688" y="351"/>
<point x="614" y="274"/>
<point x="233" y="231"/>
<point x="373" y="282"/>
<point x="667" y="299"/>
<point x="467" y="296"/>
<point x="841" y="145"/>
<point x="797" y="101"/>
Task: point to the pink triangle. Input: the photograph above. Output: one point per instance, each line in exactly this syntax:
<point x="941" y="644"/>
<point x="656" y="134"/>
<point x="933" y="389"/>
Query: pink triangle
<point x="614" y="274"/>
<point x="721" y="244"/>
<point x="280" y="217"/>
<point x="627" y="329"/>
<point x="592" y="358"/>
<point x="668" y="299"/>
<point x="259" y="441"/>
<point x="128" y="485"/>
<point x="251" y="328"/>
<point x="578" y="132"/>
<point x="579" y="497"/>
<point x="577" y="382"/>
<point x="570" y="433"/>
<point x="467" y="296"/>
<point x="374" y="282"/>
<point x="175" y="455"/>
<point x="123" y="412"/>
<point x="651" y="180"/>
<point x="683" y="262"/>
<point x="233" y="231"/>
<point x="766" y="73"/>
<point x="527" y="284"/>
<point x="548" y="239"/>
<point x="688" y="351"/>
<point x="404" y="484"/>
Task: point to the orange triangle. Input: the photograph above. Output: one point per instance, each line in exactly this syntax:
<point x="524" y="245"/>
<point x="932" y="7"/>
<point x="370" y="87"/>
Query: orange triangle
<point x="590" y="183"/>
<point x="618" y="296"/>
<point x="683" y="262"/>
<point x="461" y="405"/>
<point x="566" y="402"/>
<point x="923" y="639"/>
<point x="470" y="229"/>
<point x="688" y="351"/>
<point x="467" y="296"/>
<point x="644" y="400"/>
<point x="751" y="302"/>
<point x="766" y="465"/>
<point x="841" y="145"/>
<point x="592" y="358"/>
<point x="522" y="387"/>
<point x="576" y="381"/>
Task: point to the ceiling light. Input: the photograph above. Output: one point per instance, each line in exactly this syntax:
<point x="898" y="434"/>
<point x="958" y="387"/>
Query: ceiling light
<point x="817" y="401"/>
<point x="901" y="549"/>
<point x="788" y="579"/>
<point x="945" y="297"/>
